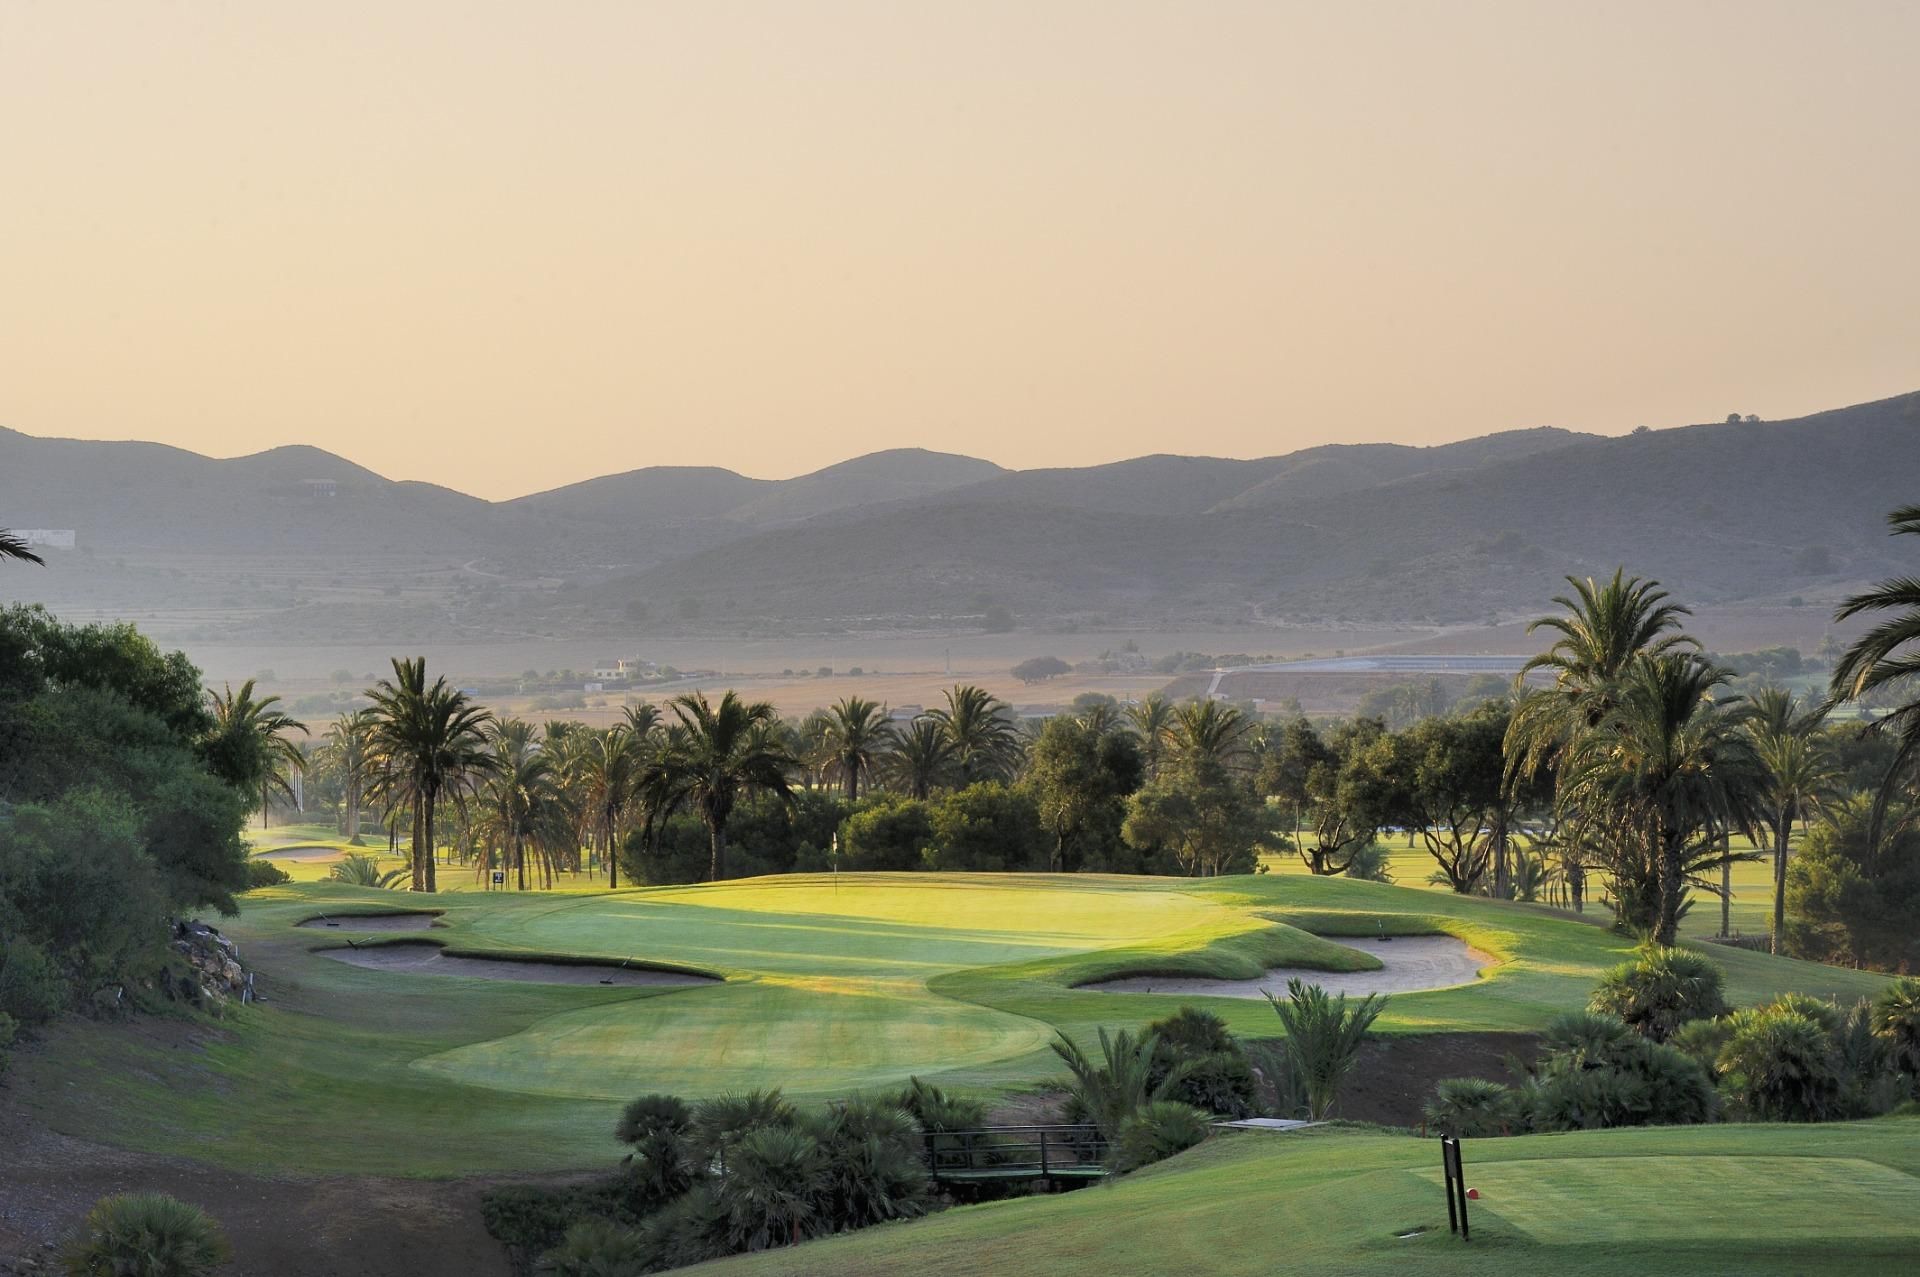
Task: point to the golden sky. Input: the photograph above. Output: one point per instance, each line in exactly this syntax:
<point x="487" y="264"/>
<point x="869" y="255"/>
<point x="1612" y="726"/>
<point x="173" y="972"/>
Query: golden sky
<point x="506" y="246"/>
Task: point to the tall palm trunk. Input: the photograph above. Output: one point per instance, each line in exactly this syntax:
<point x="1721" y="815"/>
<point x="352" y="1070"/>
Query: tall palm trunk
<point x="1669" y="844"/>
<point x="1727" y="882"/>
<point x="613" y="860"/>
<point x="353" y="809"/>
<point x="427" y="853"/>
<point x="419" y="870"/>
<point x="717" y="848"/>
<point x="1782" y="827"/>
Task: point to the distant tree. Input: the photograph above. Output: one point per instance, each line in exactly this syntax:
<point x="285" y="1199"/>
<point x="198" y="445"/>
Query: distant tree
<point x="249" y="746"/>
<point x="1079" y="780"/>
<point x="1449" y="788"/>
<point x="986" y="827"/>
<point x="1348" y="796"/>
<point x="856" y="738"/>
<point x="1884" y="659"/>
<point x="1796" y="775"/>
<point x="889" y="832"/>
<point x="1040" y="669"/>
<point x="607" y="777"/>
<point x="980" y="731"/>
<point x="712" y="755"/>
<point x="920" y="758"/>
<point x="348" y="749"/>
<point x="1152" y="719"/>
<point x="1852" y="900"/>
<point x="429" y="742"/>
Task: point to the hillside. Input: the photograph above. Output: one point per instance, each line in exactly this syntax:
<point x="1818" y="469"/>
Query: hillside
<point x="297" y="540"/>
<point x="1720" y="512"/>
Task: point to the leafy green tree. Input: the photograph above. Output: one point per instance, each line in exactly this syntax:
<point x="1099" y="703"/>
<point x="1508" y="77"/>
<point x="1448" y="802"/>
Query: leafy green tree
<point x="713" y="755"/>
<point x="1853" y="900"/>
<point x="1207" y="822"/>
<point x="1450" y="788"/>
<point x="987" y="827"/>
<point x="1040" y="669"/>
<point x="891" y="832"/>
<point x="429" y="742"/>
<point x="1079" y="779"/>
<point x="1349" y="795"/>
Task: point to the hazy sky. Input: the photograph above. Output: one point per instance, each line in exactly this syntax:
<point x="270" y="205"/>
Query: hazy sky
<point x="505" y="246"/>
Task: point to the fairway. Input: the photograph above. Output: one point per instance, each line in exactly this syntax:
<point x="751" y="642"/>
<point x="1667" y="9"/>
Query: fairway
<point x="826" y="987"/>
<point x="1573" y="1202"/>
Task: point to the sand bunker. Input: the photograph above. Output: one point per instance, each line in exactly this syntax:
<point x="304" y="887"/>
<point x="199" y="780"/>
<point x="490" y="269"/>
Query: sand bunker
<point x="372" y="922"/>
<point x="1409" y="964"/>
<point x="429" y="959"/>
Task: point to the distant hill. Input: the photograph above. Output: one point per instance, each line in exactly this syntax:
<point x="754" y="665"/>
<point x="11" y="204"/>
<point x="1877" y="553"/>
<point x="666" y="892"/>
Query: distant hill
<point x="1719" y="512"/>
<point x="1461" y="531"/>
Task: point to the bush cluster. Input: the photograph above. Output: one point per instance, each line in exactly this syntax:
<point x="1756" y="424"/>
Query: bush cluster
<point x="1659" y="1048"/>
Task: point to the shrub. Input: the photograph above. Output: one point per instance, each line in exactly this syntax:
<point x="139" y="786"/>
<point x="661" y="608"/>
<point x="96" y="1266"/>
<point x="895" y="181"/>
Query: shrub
<point x="1215" y="1075"/>
<point x="1109" y="1092"/>
<point x="32" y="990"/>
<point x="871" y="1168"/>
<point x="772" y="1188"/>
<point x="722" y="1122"/>
<point x="691" y="1228"/>
<point x="1595" y="1072"/>
<point x="146" y="1235"/>
<point x="1896" y="1021"/>
<point x="360" y="870"/>
<point x="937" y="1111"/>
<point x="1156" y="1131"/>
<point x="529" y="1220"/>
<point x="264" y="873"/>
<point x="1780" y="1065"/>
<point x="1471" y="1107"/>
<point x="1660" y="990"/>
<point x="1323" y="1038"/>
<point x="661" y="1165"/>
<point x="1702" y="1041"/>
<point x="596" y="1247"/>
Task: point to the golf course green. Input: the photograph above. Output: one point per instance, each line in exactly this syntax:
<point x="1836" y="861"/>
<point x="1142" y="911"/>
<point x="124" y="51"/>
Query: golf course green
<point x="827" y="987"/>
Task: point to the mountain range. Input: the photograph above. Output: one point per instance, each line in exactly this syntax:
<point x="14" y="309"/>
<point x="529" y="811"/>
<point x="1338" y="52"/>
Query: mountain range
<point x="1721" y="512"/>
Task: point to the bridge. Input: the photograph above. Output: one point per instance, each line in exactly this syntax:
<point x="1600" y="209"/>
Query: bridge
<point x="1059" y="1155"/>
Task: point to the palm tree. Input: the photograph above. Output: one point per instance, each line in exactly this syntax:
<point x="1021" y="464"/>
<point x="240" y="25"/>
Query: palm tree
<point x="643" y="720"/>
<point x="13" y="547"/>
<point x="1152" y="718"/>
<point x="1884" y="656"/>
<point x="429" y="742"/>
<point x="522" y="803"/>
<point x="713" y="754"/>
<point x="857" y="735"/>
<point x="1659" y="776"/>
<point x="1604" y="629"/>
<point x="1797" y="774"/>
<point x="980" y="730"/>
<point x="609" y="780"/>
<point x="1208" y="733"/>
<point x="349" y="747"/>
<point x="254" y="729"/>
<point x="919" y="758"/>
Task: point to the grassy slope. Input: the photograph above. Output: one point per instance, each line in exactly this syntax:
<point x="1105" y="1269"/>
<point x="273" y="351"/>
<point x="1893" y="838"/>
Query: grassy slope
<point x="1712" y="1200"/>
<point x="831" y="987"/>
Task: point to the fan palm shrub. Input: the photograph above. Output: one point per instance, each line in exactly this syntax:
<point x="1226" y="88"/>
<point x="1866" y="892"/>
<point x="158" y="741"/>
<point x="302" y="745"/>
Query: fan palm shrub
<point x="1660" y="989"/>
<point x="1471" y="1107"/>
<point x="659" y="1129"/>
<point x="1156" y="1131"/>
<point x="871" y="1170"/>
<point x="1781" y="1065"/>
<point x="1896" y="1021"/>
<point x="357" y="869"/>
<point x="596" y="1247"/>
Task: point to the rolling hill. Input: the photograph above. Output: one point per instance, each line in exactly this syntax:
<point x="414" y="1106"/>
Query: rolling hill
<point x="1458" y="532"/>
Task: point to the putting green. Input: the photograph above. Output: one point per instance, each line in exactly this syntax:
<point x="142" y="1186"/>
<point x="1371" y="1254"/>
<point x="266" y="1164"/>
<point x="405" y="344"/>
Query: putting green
<point x="827" y="983"/>
<point x="1582" y="1201"/>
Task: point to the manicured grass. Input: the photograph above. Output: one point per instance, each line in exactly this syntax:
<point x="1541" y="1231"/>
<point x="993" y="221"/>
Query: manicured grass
<point x="1841" y="1199"/>
<point x="1751" y="913"/>
<point x="831" y="987"/>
